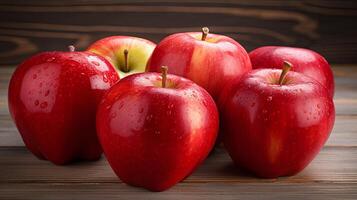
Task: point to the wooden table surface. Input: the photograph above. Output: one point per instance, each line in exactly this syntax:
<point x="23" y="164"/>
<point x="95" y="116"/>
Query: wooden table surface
<point x="332" y="175"/>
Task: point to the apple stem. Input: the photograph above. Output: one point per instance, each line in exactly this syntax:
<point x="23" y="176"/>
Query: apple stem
<point x="286" y="68"/>
<point x="164" y="75"/>
<point x="126" y="67"/>
<point x="71" y="48"/>
<point x="205" y="31"/>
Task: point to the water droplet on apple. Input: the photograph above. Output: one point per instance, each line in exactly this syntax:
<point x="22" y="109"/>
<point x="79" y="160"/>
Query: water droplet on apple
<point x="269" y="98"/>
<point x="36" y="103"/>
<point x="113" y="115"/>
<point x="121" y="105"/>
<point x="105" y="78"/>
<point x="43" y="104"/>
<point x="265" y="111"/>
<point x="148" y="118"/>
<point x="47" y="93"/>
<point x="50" y="59"/>
<point x="72" y="64"/>
<point x="95" y="63"/>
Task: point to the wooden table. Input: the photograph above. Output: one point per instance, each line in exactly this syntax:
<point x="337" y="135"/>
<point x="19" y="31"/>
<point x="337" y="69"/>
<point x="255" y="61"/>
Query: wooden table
<point x="332" y="175"/>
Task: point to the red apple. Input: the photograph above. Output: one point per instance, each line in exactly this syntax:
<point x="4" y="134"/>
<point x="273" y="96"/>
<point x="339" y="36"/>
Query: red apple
<point x="209" y="60"/>
<point x="128" y="54"/>
<point x="155" y="134"/>
<point x="305" y="61"/>
<point x="53" y="98"/>
<point x="274" y="129"/>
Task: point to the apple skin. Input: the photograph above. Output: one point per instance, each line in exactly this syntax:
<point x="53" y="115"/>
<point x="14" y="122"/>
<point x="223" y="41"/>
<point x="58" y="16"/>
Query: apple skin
<point x="112" y="48"/>
<point x="154" y="137"/>
<point x="211" y="63"/>
<point x="304" y="61"/>
<point x="53" y="98"/>
<point x="272" y="130"/>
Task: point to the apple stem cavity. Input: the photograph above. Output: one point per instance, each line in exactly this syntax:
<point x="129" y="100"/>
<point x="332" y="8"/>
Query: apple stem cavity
<point x="286" y="68"/>
<point x="164" y="75"/>
<point x="71" y="48"/>
<point x="126" y="66"/>
<point x="205" y="31"/>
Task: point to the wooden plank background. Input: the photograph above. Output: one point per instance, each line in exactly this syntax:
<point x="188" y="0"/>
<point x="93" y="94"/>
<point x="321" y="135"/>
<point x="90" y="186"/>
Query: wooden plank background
<point x="328" y="27"/>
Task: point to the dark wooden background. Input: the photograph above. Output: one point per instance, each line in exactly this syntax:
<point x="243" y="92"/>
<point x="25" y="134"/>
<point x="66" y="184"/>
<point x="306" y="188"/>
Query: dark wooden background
<point x="329" y="27"/>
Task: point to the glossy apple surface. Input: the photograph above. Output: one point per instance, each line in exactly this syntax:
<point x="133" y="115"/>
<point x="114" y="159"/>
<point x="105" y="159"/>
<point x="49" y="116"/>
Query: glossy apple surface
<point x="154" y="137"/>
<point x="210" y="63"/>
<point x="274" y="130"/>
<point x="112" y="48"/>
<point x="305" y="61"/>
<point x="53" y="98"/>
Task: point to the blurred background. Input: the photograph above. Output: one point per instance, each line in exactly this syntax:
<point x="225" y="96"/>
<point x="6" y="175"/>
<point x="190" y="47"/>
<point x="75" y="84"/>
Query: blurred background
<point x="30" y="26"/>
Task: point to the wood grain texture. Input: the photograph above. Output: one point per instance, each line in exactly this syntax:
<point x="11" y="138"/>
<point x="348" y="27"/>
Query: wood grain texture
<point x="333" y="174"/>
<point x="328" y="27"/>
<point x="332" y="165"/>
<point x="202" y="191"/>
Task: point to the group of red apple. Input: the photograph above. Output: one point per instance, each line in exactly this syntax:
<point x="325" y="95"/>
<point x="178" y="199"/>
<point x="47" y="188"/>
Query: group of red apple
<point x="156" y="110"/>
